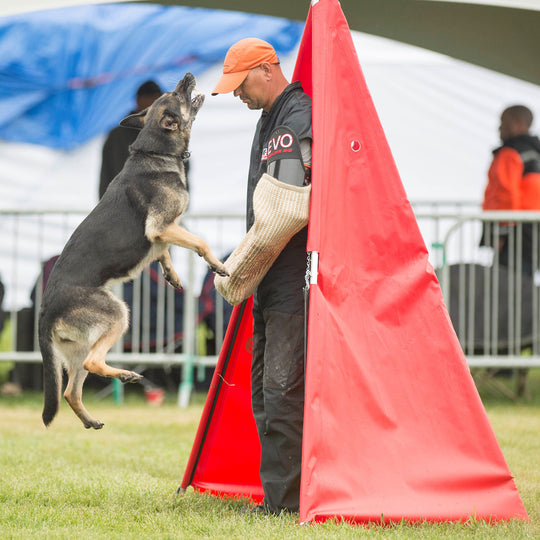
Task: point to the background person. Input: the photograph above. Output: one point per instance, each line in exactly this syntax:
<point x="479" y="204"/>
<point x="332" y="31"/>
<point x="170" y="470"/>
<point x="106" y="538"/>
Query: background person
<point x="514" y="182"/>
<point x="116" y="147"/>
<point x="252" y="72"/>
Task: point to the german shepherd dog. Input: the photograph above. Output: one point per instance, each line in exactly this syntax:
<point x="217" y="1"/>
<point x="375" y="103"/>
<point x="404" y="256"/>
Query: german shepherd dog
<point x="133" y="224"/>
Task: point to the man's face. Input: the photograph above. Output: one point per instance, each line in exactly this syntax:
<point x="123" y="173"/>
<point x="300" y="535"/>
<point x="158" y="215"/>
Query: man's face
<point x="511" y="126"/>
<point x="505" y="128"/>
<point x="253" y="90"/>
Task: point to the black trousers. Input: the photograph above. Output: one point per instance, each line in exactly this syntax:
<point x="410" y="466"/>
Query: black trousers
<point x="506" y="244"/>
<point x="509" y="248"/>
<point x="277" y="388"/>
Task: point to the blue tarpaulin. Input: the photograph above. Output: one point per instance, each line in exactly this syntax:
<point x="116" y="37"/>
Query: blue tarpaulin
<point x="69" y="74"/>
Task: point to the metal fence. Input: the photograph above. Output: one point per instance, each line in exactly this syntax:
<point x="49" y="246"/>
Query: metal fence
<point x="167" y="327"/>
<point x="492" y="296"/>
<point x="490" y="286"/>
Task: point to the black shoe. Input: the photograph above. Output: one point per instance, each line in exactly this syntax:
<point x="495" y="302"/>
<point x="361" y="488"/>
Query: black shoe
<point x="259" y="510"/>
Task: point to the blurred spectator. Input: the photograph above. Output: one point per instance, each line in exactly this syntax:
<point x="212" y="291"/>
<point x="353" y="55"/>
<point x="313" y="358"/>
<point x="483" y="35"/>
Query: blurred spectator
<point x="3" y="314"/>
<point x="116" y="146"/>
<point x="208" y="309"/>
<point x="514" y="184"/>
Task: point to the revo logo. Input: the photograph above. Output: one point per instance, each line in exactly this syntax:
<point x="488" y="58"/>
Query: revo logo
<point x="277" y="145"/>
<point x="282" y="142"/>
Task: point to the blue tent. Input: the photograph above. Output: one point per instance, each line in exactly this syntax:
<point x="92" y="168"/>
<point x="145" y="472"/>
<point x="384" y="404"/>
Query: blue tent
<point x="67" y="75"/>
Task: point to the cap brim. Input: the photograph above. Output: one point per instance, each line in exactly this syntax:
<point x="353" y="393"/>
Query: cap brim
<point x="230" y="82"/>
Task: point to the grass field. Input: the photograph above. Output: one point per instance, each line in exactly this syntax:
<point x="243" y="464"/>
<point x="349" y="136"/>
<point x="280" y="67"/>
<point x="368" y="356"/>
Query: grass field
<point x="67" y="482"/>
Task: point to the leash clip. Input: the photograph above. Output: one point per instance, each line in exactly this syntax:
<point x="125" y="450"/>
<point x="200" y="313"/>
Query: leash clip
<point x="312" y="269"/>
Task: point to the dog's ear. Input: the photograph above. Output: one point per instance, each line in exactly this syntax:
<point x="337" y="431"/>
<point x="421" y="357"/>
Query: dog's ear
<point x="135" y="121"/>
<point x="168" y="122"/>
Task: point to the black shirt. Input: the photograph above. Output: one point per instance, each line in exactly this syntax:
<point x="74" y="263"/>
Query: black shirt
<point x="281" y="288"/>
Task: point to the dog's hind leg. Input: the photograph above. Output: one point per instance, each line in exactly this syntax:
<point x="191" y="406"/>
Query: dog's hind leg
<point x="73" y="394"/>
<point x="95" y="361"/>
<point x="169" y="273"/>
<point x="110" y="321"/>
<point x="87" y="330"/>
<point x="73" y="354"/>
<point x="173" y="234"/>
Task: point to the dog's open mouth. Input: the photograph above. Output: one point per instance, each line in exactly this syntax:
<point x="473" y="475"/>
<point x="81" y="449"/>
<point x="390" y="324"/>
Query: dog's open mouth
<point x="197" y="101"/>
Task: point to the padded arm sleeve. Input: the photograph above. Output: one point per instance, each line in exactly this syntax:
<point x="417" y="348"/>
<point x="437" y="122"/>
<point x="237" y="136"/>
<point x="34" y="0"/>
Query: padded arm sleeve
<point x="281" y="210"/>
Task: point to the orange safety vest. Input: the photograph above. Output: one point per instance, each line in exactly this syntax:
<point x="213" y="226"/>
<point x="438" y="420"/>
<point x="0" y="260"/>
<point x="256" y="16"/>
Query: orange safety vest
<point x="514" y="176"/>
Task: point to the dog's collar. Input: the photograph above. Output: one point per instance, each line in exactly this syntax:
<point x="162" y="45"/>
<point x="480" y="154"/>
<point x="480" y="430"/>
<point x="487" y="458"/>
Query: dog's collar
<point x="184" y="156"/>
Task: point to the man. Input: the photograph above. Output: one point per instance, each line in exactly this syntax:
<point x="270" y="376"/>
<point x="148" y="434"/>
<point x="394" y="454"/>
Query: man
<point x="514" y="181"/>
<point x="252" y="72"/>
<point x="116" y="146"/>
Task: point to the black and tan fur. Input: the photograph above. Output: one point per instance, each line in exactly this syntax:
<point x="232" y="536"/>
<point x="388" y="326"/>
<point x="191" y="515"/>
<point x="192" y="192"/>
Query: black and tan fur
<point x="133" y="224"/>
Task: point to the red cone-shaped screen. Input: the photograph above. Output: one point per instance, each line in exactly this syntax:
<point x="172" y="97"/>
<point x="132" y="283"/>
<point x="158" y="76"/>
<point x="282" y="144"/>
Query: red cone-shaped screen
<point x="394" y="428"/>
<point x="226" y="454"/>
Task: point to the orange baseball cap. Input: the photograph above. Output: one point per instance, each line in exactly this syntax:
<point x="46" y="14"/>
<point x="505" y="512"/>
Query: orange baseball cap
<point x="240" y="59"/>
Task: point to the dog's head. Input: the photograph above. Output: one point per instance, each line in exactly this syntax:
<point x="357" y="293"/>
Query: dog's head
<point x="166" y="124"/>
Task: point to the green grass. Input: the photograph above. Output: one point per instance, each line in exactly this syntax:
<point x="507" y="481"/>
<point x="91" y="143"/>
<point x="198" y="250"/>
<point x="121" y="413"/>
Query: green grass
<point x="67" y="482"/>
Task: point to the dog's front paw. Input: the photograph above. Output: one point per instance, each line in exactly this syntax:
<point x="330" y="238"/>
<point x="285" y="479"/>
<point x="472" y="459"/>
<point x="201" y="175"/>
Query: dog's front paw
<point x="130" y="377"/>
<point x="220" y="270"/>
<point x="175" y="282"/>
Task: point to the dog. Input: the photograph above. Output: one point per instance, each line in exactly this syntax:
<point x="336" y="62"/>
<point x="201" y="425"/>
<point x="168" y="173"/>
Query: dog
<point x="133" y="224"/>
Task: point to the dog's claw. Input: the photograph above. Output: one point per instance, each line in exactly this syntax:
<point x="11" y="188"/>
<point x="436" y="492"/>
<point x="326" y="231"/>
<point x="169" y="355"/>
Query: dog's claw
<point x="174" y="281"/>
<point x="219" y="270"/>
<point x="176" y="284"/>
<point x="130" y="377"/>
<point x="96" y="424"/>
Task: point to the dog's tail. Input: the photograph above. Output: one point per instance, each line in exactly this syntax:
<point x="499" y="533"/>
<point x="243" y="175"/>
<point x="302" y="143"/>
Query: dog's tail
<point x="52" y="373"/>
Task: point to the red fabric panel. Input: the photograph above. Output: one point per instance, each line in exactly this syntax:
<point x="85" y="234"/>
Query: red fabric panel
<point x="394" y="426"/>
<point x="304" y="64"/>
<point x="225" y="457"/>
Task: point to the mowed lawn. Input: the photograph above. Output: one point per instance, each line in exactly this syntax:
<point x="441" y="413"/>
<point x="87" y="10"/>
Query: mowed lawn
<point x="119" y="482"/>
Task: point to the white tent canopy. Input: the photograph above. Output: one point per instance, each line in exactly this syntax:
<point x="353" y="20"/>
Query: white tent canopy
<point x="498" y="34"/>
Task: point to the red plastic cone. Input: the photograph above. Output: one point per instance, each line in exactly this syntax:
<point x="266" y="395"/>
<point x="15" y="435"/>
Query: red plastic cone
<point x="225" y="456"/>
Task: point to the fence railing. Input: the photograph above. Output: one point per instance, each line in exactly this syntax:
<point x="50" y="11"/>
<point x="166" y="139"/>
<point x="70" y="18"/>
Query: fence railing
<point x="491" y="287"/>
<point x="492" y="296"/>
<point x="167" y="327"/>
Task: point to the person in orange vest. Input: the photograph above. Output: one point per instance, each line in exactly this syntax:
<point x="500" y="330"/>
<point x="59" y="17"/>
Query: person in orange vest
<point x="514" y="183"/>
